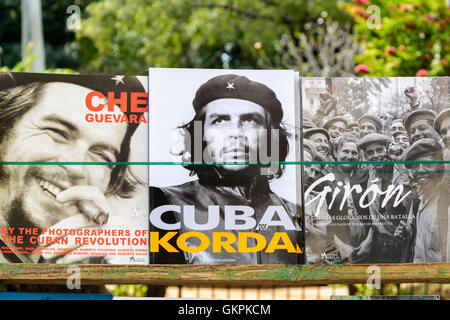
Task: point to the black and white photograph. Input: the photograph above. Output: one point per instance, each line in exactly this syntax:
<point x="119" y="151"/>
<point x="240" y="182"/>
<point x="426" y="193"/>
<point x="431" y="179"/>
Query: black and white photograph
<point x="222" y="190"/>
<point x="68" y="194"/>
<point x="387" y="197"/>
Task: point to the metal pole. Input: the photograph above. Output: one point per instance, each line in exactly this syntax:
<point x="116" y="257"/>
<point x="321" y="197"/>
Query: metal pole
<point x="32" y="32"/>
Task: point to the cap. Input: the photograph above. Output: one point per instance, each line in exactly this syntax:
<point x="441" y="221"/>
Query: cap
<point x="309" y="132"/>
<point x="400" y="133"/>
<point x="420" y="148"/>
<point x="330" y="121"/>
<point x="233" y="86"/>
<point x="101" y="83"/>
<point x="397" y="120"/>
<point x="444" y="114"/>
<point x="352" y="124"/>
<point x="420" y="114"/>
<point x="372" y="118"/>
<point x="372" y="138"/>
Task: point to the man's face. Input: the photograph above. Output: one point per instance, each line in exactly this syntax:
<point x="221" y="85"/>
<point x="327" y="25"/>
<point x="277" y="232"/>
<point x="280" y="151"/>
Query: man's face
<point x="55" y="130"/>
<point x="445" y="131"/>
<point x="336" y="129"/>
<point x="321" y="143"/>
<point x="397" y="127"/>
<point x="234" y="131"/>
<point x="312" y="171"/>
<point x="376" y="151"/>
<point x="367" y="127"/>
<point x="426" y="173"/>
<point x="402" y="140"/>
<point x="421" y="129"/>
<point x="354" y="130"/>
<point x="348" y="152"/>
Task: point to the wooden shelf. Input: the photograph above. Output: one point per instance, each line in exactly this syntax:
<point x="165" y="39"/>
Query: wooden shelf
<point x="283" y="275"/>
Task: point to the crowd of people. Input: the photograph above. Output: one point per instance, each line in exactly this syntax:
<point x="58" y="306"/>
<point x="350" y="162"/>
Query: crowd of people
<point x="385" y="196"/>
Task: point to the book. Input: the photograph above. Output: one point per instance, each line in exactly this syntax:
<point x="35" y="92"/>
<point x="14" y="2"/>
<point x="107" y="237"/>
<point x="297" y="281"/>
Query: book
<point x="377" y="188"/>
<point x="204" y="168"/>
<point x="69" y="192"/>
<point x="220" y="189"/>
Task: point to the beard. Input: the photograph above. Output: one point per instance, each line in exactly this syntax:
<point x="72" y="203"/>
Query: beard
<point x="17" y="216"/>
<point x="29" y="196"/>
<point x="233" y="159"/>
<point x="238" y="170"/>
<point x="230" y="175"/>
<point x="15" y="213"/>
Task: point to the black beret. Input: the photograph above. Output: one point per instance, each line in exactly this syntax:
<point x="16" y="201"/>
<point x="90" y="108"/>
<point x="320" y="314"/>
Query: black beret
<point x="372" y="118"/>
<point x="420" y="114"/>
<point x="422" y="147"/>
<point x="309" y="132"/>
<point x="233" y="86"/>
<point x="101" y="83"/>
<point x="441" y="116"/>
<point x="335" y="119"/>
<point x="372" y="138"/>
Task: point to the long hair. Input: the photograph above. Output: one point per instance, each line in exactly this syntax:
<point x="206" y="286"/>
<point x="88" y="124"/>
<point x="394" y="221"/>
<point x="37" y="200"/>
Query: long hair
<point x="16" y="101"/>
<point x="189" y="144"/>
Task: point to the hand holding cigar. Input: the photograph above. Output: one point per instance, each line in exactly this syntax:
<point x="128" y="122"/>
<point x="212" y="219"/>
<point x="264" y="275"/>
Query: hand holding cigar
<point x="90" y="201"/>
<point x="92" y="211"/>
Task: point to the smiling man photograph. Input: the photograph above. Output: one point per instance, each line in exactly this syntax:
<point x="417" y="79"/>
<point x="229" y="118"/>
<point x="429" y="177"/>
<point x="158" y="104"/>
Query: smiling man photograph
<point x="42" y="120"/>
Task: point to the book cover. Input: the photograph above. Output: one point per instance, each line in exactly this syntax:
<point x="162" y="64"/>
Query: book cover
<point x="377" y="189"/>
<point x="220" y="189"/>
<point x="68" y="191"/>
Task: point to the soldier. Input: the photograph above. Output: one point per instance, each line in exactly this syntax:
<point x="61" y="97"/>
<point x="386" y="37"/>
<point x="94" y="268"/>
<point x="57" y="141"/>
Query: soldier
<point x="429" y="213"/>
<point x="321" y="141"/>
<point x="353" y="128"/>
<point x="316" y="219"/>
<point x="386" y="216"/>
<point x="419" y="124"/>
<point x="369" y="123"/>
<point x="349" y="230"/>
<point x="336" y="127"/>
<point x="396" y="126"/>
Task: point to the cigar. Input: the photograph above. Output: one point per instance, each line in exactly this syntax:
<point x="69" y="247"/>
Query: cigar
<point x="92" y="211"/>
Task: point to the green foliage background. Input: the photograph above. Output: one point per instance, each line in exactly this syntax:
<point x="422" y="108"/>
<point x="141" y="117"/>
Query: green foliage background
<point x="128" y="36"/>
<point x="413" y="36"/>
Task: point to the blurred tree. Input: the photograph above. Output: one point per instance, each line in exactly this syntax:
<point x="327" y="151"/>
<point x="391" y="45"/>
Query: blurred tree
<point x="131" y="35"/>
<point x="355" y="94"/>
<point x="59" y="50"/>
<point x="24" y="65"/>
<point x="411" y="39"/>
<point x="324" y="49"/>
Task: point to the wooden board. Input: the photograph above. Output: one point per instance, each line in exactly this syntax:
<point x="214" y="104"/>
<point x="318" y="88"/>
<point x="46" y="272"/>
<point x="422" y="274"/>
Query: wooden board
<point x="283" y="275"/>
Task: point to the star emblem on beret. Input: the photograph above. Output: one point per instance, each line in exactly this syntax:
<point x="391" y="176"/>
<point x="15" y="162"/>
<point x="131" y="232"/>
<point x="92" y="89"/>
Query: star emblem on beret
<point x="230" y="86"/>
<point x="118" y="79"/>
